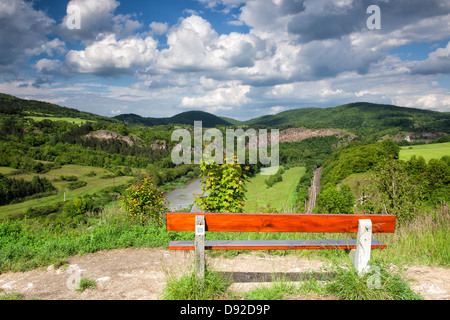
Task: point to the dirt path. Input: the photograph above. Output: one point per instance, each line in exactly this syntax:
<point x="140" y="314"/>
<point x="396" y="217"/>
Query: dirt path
<point x="141" y="274"/>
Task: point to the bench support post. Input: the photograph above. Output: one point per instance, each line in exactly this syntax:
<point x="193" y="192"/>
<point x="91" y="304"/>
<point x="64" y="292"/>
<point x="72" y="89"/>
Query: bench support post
<point x="200" y="247"/>
<point x="361" y="255"/>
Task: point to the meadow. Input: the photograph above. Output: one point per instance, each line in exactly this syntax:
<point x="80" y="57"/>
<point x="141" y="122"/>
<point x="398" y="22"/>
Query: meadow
<point x="280" y="196"/>
<point x="78" y="121"/>
<point x="96" y="179"/>
<point x="427" y="151"/>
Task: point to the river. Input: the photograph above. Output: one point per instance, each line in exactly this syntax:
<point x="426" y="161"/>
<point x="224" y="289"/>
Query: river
<point x="183" y="197"/>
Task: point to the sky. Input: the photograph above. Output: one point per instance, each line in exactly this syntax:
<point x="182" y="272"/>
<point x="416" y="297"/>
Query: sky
<point x="234" y="58"/>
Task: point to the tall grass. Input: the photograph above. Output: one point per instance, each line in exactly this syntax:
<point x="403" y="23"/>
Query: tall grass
<point x="425" y="240"/>
<point x="187" y="287"/>
<point x="338" y="281"/>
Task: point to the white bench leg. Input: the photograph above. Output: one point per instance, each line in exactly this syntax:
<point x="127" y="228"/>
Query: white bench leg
<point x="200" y="247"/>
<point x="361" y="255"/>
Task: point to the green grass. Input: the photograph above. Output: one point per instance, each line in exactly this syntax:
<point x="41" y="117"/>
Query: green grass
<point x="381" y="284"/>
<point x="51" y="118"/>
<point x="95" y="183"/>
<point x="188" y="287"/>
<point x="427" y="151"/>
<point x="280" y="197"/>
<point x="423" y="241"/>
<point x="86" y="283"/>
<point x="339" y="281"/>
<point x="25" y="246"/>
<point x="6" y="170"/>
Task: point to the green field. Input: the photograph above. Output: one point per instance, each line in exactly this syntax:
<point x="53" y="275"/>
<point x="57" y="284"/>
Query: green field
<point x="280" y="197"/>
<point x="101" y="180"/>
<point x="71" y="120"/>
<point x="427" y="151"/>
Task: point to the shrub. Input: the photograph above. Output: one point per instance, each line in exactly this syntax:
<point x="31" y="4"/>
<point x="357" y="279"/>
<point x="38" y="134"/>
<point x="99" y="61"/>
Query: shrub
<point x="76" y="184"/>
<point x="143" y="201"/>
<point x="277" y="177"/>
<point x="76" y="207"/>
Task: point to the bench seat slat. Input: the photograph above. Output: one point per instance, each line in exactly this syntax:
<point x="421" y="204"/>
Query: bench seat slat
<point x="262" y="222"/>
<point x="273" y="244"/>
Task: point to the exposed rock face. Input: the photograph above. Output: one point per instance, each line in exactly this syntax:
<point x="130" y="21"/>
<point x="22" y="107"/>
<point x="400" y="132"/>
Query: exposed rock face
<point x="160" y="144"/>
<point x="107" y="135"/>
<point x="299" y="134"/>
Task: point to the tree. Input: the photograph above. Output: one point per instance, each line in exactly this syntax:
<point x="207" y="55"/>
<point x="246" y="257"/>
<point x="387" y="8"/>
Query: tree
<point x="334" y="200"/>
<point x="394" y="192"/>
<point x="223" y="187"/>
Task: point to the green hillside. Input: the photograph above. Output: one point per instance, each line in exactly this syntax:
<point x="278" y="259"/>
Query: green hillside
<point x="360" y="115"/>
<point x="12" y="105"/>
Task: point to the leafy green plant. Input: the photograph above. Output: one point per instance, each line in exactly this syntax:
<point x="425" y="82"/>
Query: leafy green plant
<point x="223" y="187"/>
<point x="143" y="201"/>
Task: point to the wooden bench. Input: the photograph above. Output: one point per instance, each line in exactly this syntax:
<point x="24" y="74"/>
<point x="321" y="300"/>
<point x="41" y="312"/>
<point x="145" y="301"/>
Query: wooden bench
<point x="363" y="225"/>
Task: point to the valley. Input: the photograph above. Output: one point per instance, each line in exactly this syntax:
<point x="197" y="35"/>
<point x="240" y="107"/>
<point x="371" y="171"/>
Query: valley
<point x="339" y="160"/>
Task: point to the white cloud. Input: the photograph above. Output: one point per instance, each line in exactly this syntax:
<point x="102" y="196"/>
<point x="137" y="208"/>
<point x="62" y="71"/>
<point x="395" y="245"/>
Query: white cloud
<point x="438" y="62"/>
<point x="159" y="28"/>
<point x="97" y="18"/>
<point x="195" y="46"/>
<point x="189" y="44"/>
<point x="225" y="98"/>
<point x="276" y="109"/>
<point x="432" y="101"/>
<point x="109" y="56"/>
<point x="50" y="67"/>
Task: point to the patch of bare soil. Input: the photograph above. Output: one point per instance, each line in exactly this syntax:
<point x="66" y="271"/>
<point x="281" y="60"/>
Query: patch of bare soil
<point x="141" y="274"/>
<point x="431" y="283"/>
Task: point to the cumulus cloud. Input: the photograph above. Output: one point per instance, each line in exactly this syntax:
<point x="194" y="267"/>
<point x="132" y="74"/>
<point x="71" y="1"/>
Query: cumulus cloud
<point x="438" y="62"/>
<point x="50" y="67"/>
<point x="159" y="28"/>
<point x="230" y="95"/>
<point x="109" y="56"/>
<point x="195" y="46"/>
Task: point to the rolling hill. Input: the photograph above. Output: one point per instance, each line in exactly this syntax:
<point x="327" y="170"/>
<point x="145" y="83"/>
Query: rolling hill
<point x="13" y="105"/>
<point x="359" y="115"/>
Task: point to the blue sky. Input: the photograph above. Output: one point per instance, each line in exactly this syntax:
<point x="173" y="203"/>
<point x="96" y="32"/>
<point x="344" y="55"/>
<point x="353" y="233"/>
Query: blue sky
<point x="234" y="58"/>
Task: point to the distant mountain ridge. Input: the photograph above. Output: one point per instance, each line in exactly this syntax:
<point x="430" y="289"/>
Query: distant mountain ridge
<point x="347" y="117"/>
<point x="186" y="118"/>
